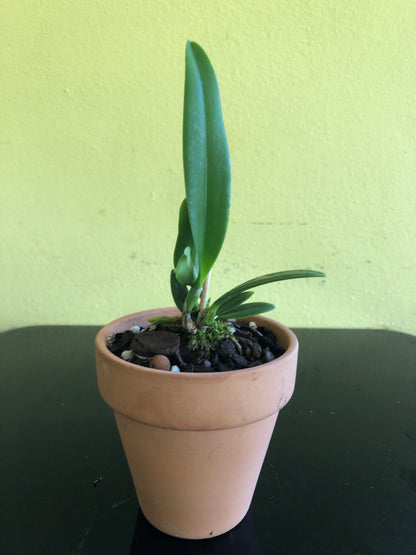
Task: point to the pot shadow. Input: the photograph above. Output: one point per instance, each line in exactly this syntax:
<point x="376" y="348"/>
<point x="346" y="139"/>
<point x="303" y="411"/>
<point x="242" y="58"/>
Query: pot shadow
<point x="241" y="540"/>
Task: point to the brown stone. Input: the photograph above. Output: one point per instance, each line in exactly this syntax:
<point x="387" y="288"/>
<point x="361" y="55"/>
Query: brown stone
<point x="155" y="343"/>
<point x="256" y="351"/>
<point x="160" y="362"/>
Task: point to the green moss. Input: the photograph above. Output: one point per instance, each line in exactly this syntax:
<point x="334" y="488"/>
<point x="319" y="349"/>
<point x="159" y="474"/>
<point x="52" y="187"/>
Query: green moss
<point x="209" y="337"/>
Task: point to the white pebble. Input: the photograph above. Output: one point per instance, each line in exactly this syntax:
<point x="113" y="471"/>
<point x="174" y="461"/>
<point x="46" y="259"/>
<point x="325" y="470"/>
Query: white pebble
<point x="127" y="355"/>
<point x="135" y="329"/>
<point x="175" y="368"/>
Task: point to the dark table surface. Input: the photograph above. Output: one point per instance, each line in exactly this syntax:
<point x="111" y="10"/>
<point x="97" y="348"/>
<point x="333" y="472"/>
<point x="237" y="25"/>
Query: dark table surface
<point x="339" y="476"/>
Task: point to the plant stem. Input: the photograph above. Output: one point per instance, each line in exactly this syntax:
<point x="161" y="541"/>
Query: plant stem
<point x="204" y="294"/>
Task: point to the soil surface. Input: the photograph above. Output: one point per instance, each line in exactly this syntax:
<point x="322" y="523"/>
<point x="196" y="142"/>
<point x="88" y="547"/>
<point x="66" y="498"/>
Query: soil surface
<point x="165" y="348"/>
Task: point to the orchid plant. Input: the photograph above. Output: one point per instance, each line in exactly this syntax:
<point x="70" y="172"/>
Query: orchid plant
<point x="203" y="215"/>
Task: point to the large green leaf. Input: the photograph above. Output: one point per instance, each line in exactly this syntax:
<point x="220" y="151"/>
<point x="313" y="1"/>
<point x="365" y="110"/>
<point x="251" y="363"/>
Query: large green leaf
<point x="206" y="159"/>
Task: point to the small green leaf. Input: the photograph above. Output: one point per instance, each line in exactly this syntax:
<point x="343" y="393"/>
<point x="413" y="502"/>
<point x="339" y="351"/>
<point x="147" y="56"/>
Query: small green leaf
<point x="186" y="272"/>
<point x="233" y="303"/>
<point x="185" y="238"/>
<point x="205" y="158"/>
<point x="163" y="320"/>
<point x="248" y="309"/>
<point x="192" y="298"/>
<point x="267" y="278"/>
<point x="179" y="291"/>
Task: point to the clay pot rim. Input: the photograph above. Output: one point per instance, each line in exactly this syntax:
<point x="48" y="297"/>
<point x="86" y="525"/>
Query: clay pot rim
<point x="112" y="327"/>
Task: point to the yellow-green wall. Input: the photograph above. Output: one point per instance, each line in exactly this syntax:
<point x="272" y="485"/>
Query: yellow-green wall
<point x="319" y="106"/>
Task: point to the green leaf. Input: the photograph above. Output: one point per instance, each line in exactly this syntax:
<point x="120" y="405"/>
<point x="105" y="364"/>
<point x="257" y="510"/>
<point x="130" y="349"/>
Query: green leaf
<point x="179" y="291"/>
<point x="163" y="320"/>
<point x="192" y="298"/>
<point x="185" y="238"/>
<point x="248" y="309"/>
<point x="206" y="159"/>
<point x="185" y="258"/>
<point x="186" y="271"/>
<point x="262" y="280"/>
<point x="233" y="303"/>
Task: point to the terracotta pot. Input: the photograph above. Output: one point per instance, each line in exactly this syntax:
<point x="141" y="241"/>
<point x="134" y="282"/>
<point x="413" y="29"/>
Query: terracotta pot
<point x="195" y="443"/>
